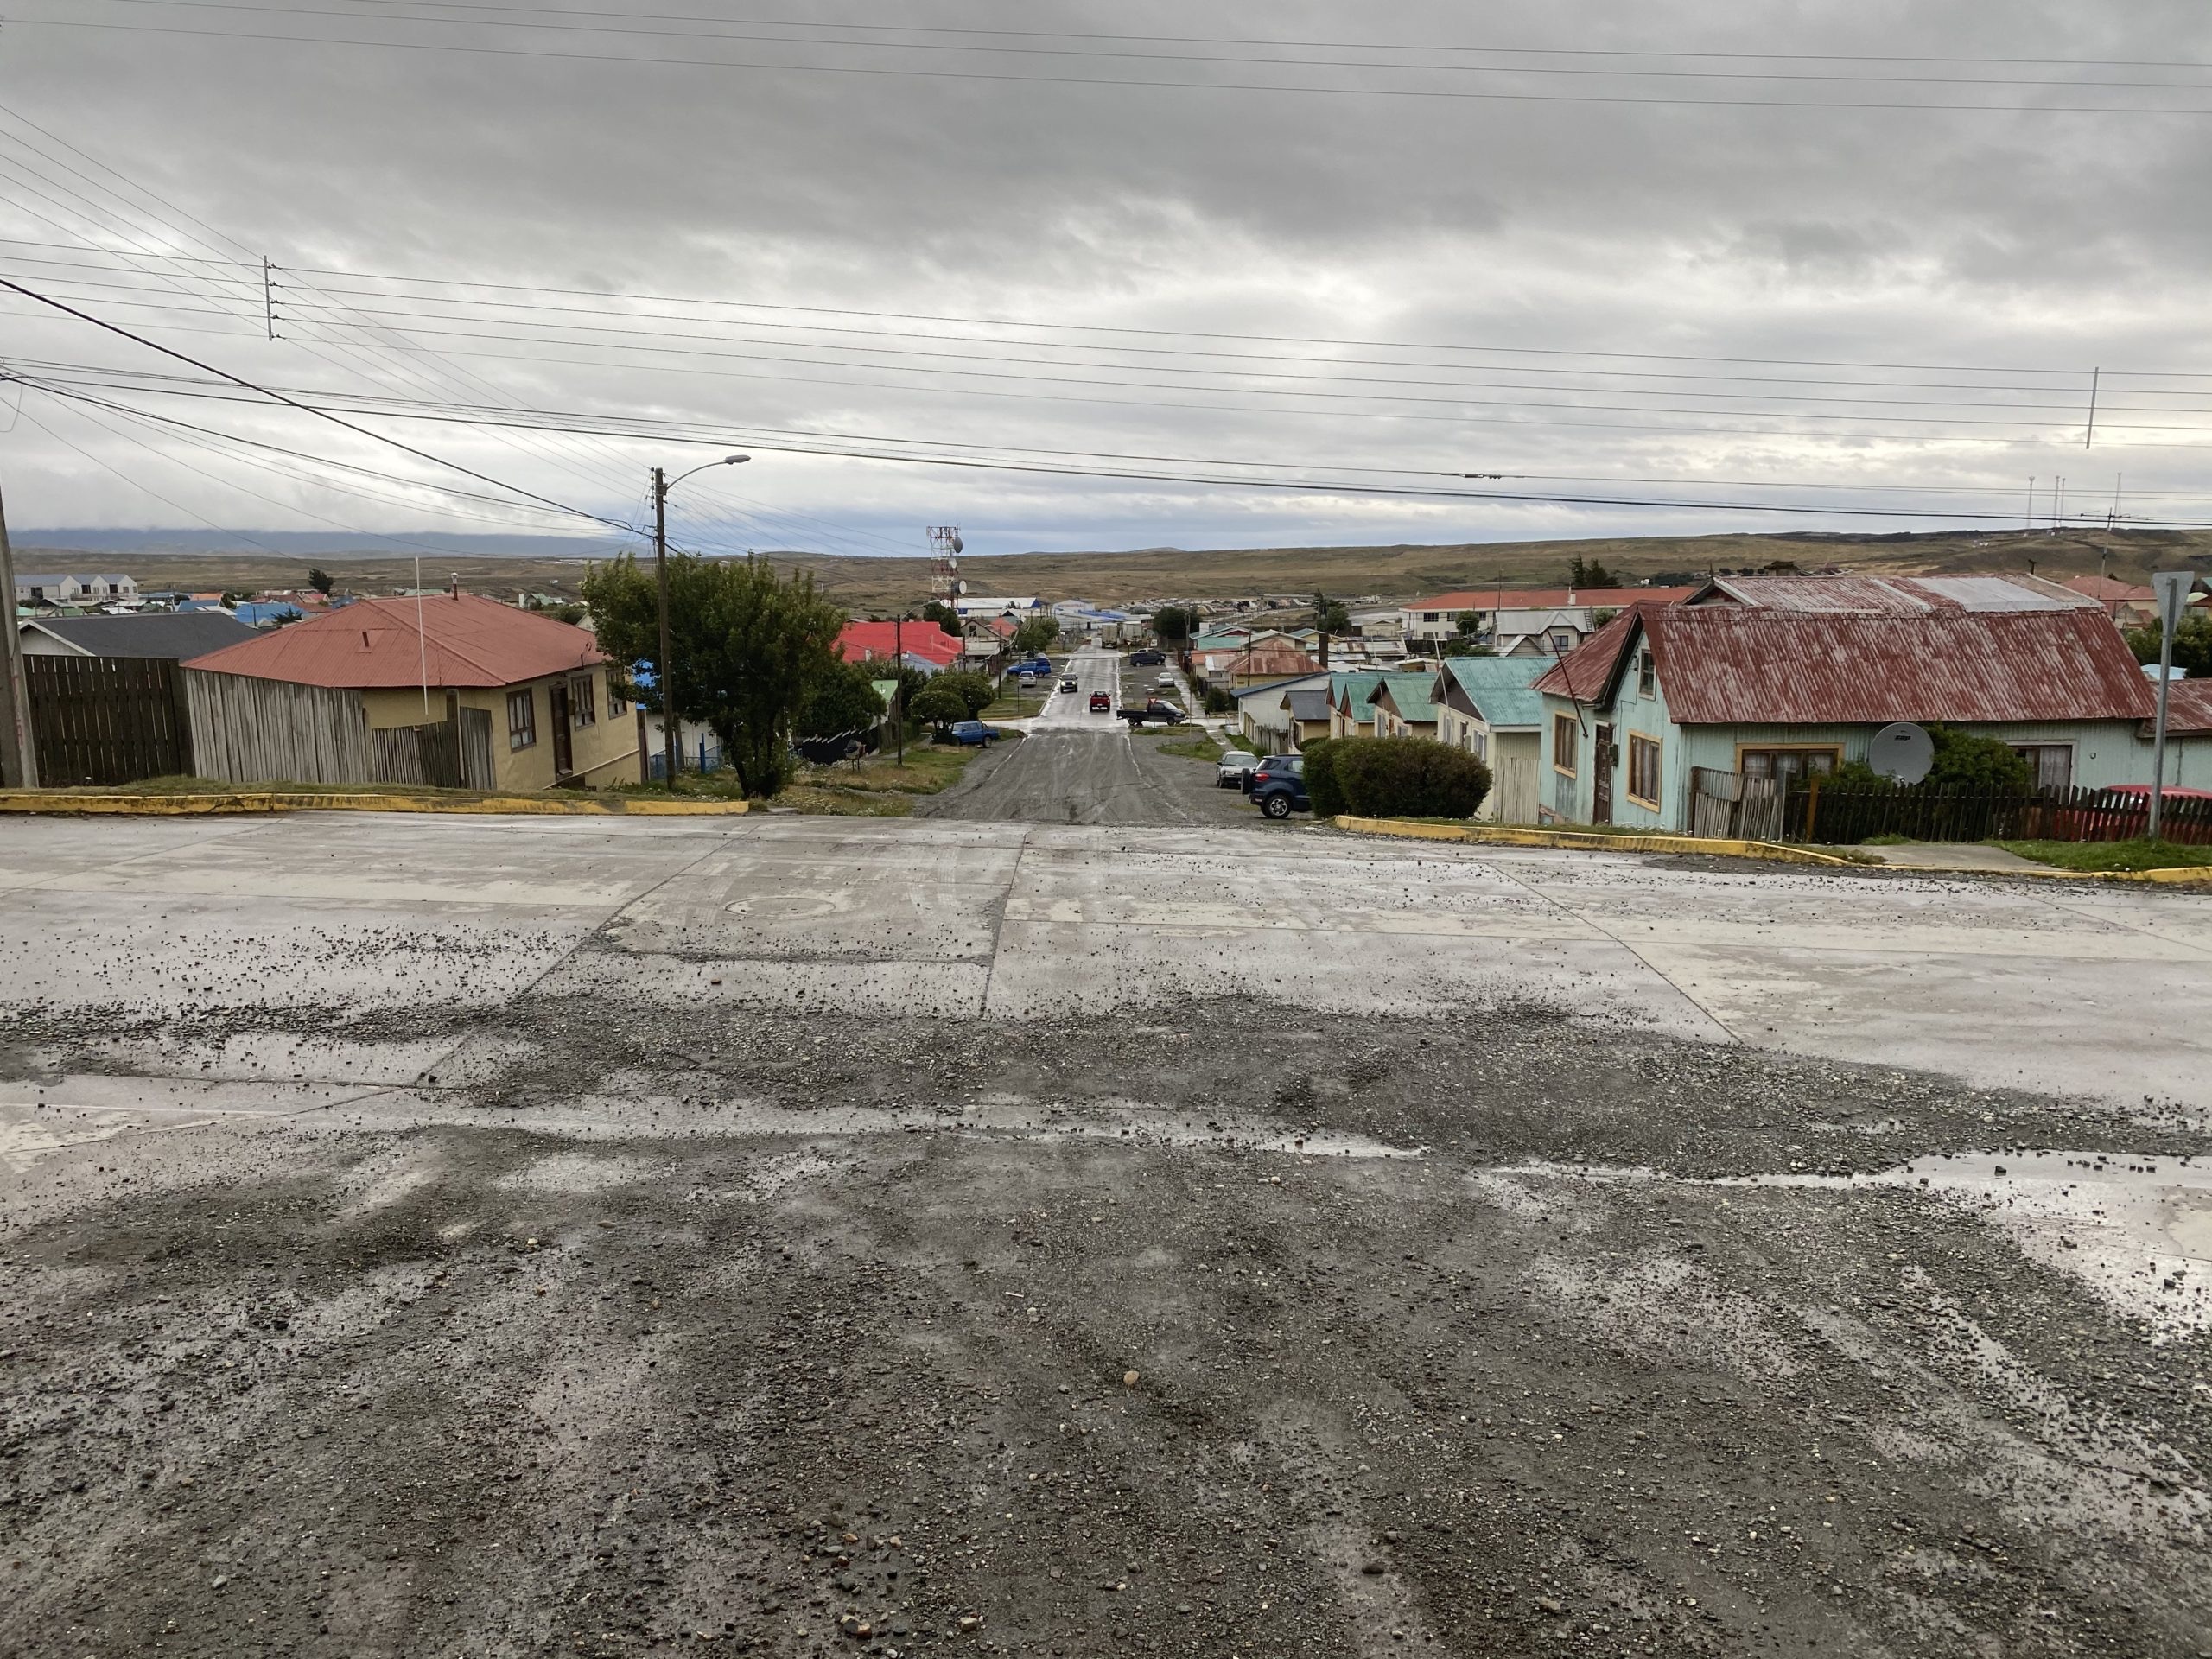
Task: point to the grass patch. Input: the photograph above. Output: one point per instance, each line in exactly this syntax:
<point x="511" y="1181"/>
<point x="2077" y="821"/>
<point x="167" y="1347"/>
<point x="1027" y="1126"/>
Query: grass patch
<point x="1890" y="840"/>
<point x="1198" y="748"/>
<point x="2110" y="854"/>
<point x="1013" y="708"/>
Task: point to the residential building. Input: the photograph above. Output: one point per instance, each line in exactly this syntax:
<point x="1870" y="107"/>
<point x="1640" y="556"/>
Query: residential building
<point x="1549" y="634"/>
<point x="1663" y="693"/>
<point x="2130" y="606"/>
<point x="1025" y="606"/>
<point x="60" y="590"/>
<point x="925" y="646"/>
<point x="556" y="717"/>
<point x="1490" y="706"/>
<point x="2189" y="734"/>
<point x="1401" y="705"/>
<point x="1435" y="620"/>
<point x="1351" y="715"/>
<point x="1252" y="665"/>
<point x="172" y="635"/>
<point x="1280" y="716"/>
<point x="1893" y="595"/>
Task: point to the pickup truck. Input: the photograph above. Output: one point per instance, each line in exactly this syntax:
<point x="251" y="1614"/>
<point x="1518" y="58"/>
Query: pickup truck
<point x="970" y="733"/>
<point x="1040" y="665"/>
<point x="1167" y="713"/>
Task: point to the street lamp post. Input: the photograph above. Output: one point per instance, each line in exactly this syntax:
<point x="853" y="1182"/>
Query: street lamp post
<point x="664" y="669"/>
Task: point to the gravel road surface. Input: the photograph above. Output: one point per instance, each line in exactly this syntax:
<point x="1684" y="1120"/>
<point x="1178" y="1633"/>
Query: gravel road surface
<point x="451" y="1237"/>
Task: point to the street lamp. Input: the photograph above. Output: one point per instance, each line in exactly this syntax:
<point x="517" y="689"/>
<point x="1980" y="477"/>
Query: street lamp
<point x="664" y="669"/>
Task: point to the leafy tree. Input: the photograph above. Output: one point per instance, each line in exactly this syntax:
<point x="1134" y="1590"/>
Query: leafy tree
<point x="911" y="682"/>
<point x="974" y="689"/>
<point x="1467" y="624"/>
<point x="320" y="579"/>
<point x="1172" y="623"/>
<point x="1330" y="615"/>
<point x="1465" y="647"/>
<point x="1038" y="633"/>
<point x="943" y="616"/>
<point x="941" y="703"/>
<point x="2192" y="645"/>
<point x="561" y="610"/>
<point x="842" y="698"/>
<point x="1589" y="574"/>
<point x="749" y="644"/>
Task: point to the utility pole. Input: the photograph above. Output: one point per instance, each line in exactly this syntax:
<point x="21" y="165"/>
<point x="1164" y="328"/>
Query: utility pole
<point x="2173" y="587"/>
<point x="664" y="670"/>
<point x="18" y="752"/>
<point x="899" y="672"/>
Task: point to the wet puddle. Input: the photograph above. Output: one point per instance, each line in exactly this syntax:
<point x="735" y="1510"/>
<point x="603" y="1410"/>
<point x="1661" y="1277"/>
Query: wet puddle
<point x="2136" y="1230"/>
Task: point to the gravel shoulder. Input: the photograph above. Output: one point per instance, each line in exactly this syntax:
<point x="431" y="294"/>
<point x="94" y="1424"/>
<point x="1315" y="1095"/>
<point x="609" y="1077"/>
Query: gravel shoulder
<point x="1228" y="1330"/>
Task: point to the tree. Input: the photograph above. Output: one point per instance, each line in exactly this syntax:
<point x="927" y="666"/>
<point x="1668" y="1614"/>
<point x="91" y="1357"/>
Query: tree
<point x="945" y="616"/>
<point x="2192" y="645"/>
<point x="320" y="579"/>
<point x="1467" y="624"/>
<point x="749" y="645"/>
<point x="911" y="682"/>
<point x="1466" y="647"/>
<point x="1038" y="633"/>
<point x="1171" y="625"/>
<point x="976" y="690"/>
<point x="1330" y="615"/>
<point x="842" y="698"/>
<point x="1589" y="574"/>
<point x="940" y="704"/>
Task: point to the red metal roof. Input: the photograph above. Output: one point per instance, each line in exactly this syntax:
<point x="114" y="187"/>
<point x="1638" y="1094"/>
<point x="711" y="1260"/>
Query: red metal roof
<point x="884" y="640"/>
<point x="2188" y="705"/>
<point x="1894" y="596"/>
<point x="465" y="640"/>
<point x="1742" y="665"/>
<point x="2109" y="590"/>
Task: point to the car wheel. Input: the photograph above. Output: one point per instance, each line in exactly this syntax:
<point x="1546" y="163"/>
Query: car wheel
<point x="1276" y="806"/>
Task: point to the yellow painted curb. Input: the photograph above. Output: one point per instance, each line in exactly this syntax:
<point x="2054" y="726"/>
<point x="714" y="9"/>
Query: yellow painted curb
<point x="1508" y="836"/>
<point x="173" y="806"/>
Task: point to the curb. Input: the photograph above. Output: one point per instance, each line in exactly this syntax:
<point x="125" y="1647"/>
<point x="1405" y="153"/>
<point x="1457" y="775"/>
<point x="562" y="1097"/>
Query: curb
<point x="1505" y="835"/>
<point x="63" y="802"/>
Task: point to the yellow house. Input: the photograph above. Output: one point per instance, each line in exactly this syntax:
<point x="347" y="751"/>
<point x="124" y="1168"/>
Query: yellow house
<point x="555" y="717"/>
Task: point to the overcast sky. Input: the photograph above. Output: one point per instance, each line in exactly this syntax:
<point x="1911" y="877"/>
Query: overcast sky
<point x="1553" y="263"/>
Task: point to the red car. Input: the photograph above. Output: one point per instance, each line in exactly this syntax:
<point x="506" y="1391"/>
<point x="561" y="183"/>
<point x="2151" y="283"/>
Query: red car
<point x="1101" y="704"/>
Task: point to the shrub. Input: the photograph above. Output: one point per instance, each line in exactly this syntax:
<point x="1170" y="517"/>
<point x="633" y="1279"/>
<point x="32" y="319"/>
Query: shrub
<point x="1403" y="778"/>
<point x="1218" y="702"/>
<point x="1321" y="785"/>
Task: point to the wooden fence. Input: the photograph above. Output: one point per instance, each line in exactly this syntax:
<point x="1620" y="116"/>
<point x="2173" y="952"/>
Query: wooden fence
<point x="117" y="720"/>
<point x="250" y="731"/>
<point x="1725" y="805"/>
<point x="1847" y="814"/>
<point x="107" y="719"/>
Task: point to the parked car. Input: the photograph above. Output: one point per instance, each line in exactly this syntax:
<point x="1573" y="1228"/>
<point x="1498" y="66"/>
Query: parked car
<point x="1278" y="787"/>
<point x="1146" y="658"/>
<point x="1165" y="682"/>
<point x="1034" y="665"/>
<point x="1101" y="704"/>
<point x="1237" y="766"/>
<point x="970" y="733"/>
<point x="1165" y="713"/>
<point x="1069" y="684"/>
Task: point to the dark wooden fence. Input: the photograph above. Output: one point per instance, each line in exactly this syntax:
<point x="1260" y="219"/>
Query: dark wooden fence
<point x="1845" y="814"/>
<point x="107" y="719"/>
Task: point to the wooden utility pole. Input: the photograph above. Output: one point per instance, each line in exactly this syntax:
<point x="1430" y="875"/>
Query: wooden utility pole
<point x="664" y="670"/>
<point x="18" y="751"/>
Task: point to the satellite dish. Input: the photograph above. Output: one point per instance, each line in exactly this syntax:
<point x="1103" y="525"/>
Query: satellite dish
<point x="1903" y="752"/>
<point x="959" y="546"/>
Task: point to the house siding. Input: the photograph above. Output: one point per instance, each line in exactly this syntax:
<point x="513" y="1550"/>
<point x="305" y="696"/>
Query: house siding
<point x="603" y="752"/>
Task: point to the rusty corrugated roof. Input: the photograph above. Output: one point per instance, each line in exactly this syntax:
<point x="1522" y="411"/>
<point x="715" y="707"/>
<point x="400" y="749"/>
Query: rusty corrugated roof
<point x="1729" y="666"/>
<point x="1586" y="672"/>
<point x="2188" y="705"/>
<point x="1539" y="599"/>
<point x="1894" y="596"/>
<point x="465" y="640"/>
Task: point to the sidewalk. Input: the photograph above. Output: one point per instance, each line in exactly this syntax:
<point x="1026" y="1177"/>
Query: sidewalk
<point x="1952" y="855"/>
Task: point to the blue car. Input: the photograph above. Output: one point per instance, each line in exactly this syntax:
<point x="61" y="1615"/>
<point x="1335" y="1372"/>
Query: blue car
<point x="970" y="733"/>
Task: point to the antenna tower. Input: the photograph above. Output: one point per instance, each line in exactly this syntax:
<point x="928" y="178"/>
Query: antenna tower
<point x="944" y="563"/>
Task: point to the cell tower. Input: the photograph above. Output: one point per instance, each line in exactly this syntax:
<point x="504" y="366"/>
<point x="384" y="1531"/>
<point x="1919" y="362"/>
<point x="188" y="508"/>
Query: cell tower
<point x="944" y="563"/>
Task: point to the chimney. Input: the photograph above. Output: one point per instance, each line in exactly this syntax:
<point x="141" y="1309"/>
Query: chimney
<point x="1325" y="650"/>
<point x="455" y="589"/>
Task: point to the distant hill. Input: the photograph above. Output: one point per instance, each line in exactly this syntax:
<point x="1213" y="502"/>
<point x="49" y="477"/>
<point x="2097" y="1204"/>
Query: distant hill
<point x="554" y="564"/>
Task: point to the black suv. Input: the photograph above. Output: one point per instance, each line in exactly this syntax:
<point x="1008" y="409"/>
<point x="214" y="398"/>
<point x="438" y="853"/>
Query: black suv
<point x="1278" y="786"/>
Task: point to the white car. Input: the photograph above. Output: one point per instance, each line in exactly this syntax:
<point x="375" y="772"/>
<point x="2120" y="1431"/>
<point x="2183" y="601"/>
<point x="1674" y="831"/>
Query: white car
<point x="1235" y="766"/>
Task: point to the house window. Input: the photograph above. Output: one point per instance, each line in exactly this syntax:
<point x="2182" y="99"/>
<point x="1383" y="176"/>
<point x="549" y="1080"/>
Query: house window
<point x="1647" y="678"/>
<point x="1643" y="770"/>
<point x="2054" y="763"/>
<point x="1562" y="641"/>
<point x="1567" y="734"/>
<point x="616" y="705"/>
<point x="583" y="702"/>
<point x="1790" y="766"/>
<point x="522" y="719"/>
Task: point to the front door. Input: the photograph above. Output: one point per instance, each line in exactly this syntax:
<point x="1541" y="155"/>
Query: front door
<point x="565" y="760"/>
<point x="1601" y="777"/>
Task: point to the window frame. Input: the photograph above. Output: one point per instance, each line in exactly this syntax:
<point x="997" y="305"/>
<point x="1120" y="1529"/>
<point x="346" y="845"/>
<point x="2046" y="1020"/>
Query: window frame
<point x="523" y="734"/>
<point x="583" y="702"/>
<point x="1646" y="675"/>
<point x="1833" y="751"/>
<point x="1638" y="740"/>
<point x="2029" y="752"/>
<point x="1566" y="733"/>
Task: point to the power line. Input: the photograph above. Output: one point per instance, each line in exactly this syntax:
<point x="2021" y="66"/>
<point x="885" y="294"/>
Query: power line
<point x="1115" y="82"/>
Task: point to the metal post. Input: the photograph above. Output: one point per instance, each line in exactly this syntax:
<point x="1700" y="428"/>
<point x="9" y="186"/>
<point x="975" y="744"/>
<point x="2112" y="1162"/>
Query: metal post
<point x="898" y="696"/>
<point x="2173" y="587"/>
<point x="664" y="669"/>
<point x="18" y="751"/>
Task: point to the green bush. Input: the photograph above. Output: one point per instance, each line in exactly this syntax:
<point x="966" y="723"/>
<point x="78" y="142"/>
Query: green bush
<point x="1393" y="778"/>
<point x="1321" y="786"/>
<point x="1218" y="702"/>
<point x="1981" y="766"/>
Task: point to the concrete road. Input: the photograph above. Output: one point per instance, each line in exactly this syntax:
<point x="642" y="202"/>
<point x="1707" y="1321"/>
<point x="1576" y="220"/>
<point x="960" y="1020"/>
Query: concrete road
<point x="789" y="1236"/>
<point x="1093" y="669"/>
